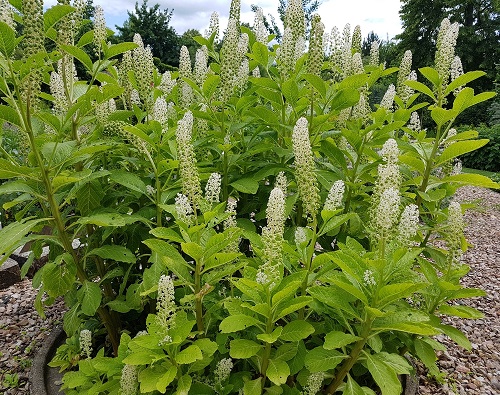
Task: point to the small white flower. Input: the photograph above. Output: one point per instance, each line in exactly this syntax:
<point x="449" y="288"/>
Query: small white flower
<point x="212" y="189"/>
<point x="223" y="370"/>
<point x="128" y="381"/>
<point x="86" y="342"/>
<point x="335" y="196"/>
<point x="150" y="190"/>
<point x="368" y="278"/>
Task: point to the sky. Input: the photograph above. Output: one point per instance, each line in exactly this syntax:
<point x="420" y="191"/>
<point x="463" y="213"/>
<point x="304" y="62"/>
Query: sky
<point x="380" y="16"/>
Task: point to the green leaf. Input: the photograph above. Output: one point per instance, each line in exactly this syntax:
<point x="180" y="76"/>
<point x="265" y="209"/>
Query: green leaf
<point x="390" y="293"/>
<point x="243" y="348"/>
<point x="11" y="236"/>
<point x="183" y="385"/>
<point x="7" y="40"/>
<point x="317" y="83"/>
<point x="117" y="49"/>
<point x="194" y="250"/>
<point x="58" y="279"/>
<point x="441" y="115"/>
<point x="337" y="339"/>
<point x="189" y="355"/>
<point x="167" y="234"/>
<point x="397" y="362"/>
<point x="460" y="311"/>
<point x="352" y="387"/>
<point x="320" y="360"/>
<point x="171" y="258"/>
<point x="335" y="222"/>
<point x="427" y="355"/>
<point x="92" y="297"/>
<point x="86" y="39"/>
<point x="344" y="98"/>
<point x="128" y="180"/>
<point x="260" y="53"/>
<point x="419" y="87"/>
<point x="55" y="14"/>
<point x="163" y="382"/>
<point x="459" y="148"/>
<point x="431" y="74"/>
<point x="237" y="322"/>
<point x="11" y="170"/>
<point x="385" y="377"/>
<point x="114" y="252"/>
<point x="253" y="387"/>
<point x="291" y="306"/>
<point x="210" y="85"/>
<point x="456" y="335"/>
<point x="472" y="179"/>
<point x="89" y="197"/>
<point x="296" y="330"/>
<point x="10" y="115"/>
<point x="108" y="219"/>
<point x="16" y="186"/>
<point x="409" y="327"/>
<point x="270" y="337"/>
<point x="246" y="185"/>
<point x="79" y="54"/>
<point x="278" y="371"/>
<point x="463" y="80"/>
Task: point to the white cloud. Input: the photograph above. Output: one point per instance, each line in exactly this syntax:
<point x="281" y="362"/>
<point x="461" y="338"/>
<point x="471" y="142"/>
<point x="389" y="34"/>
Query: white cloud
<point x="380" y="16"/>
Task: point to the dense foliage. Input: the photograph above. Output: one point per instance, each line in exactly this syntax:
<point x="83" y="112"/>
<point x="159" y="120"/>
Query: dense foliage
<point x="488" y="157"/>
<point x="249" y="225"/>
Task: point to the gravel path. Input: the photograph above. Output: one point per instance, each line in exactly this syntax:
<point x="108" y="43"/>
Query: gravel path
<point x="476" y="372"/>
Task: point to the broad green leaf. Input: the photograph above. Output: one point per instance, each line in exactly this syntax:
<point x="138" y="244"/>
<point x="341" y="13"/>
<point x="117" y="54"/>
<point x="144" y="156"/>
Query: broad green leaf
<point x="11" y="236"/>
<point x="409" y="327"/>
<point x="385" y="377"/>
<point x="335" y="222"/>
<point x="390" y="293"/>
<point x="477" y="180"/>
<point x="317" y="83"/>
<point x="337" y="339"/>
<point x="128" y="180"/>
<point x="67" y="178"/>
<point x="167" y="234"/>
<point x="291" y="306"/>
<point x="459" y="148"/>
<point x="397" y="362"/>
<point x="210" y="85"/>
<point x="427" y="355"/>
<point x="89" y="197"/>
<point x="11" y="170"/>
<point x="463" y="100"/>
<point x="480" y="97"/>
<point x="278" y="371"/>
<point x="55" y="14"/>
<point x="441" y="115"/>
<point x="253" y="387"/>
<point x="117" y="49"/>
<point x="114" y="252"/>
<point x="72" y="319"/>
<point x="237" y="322"/>
<point x="320" y="360"/>
<point x="352" y="387"/>
<point x="184" y="385"/>
<point x="86" y="39"/>
<point x="149" y="377"/>
<point x="92" y="297"/>
<point x="270" y="337"/>
<point x="16" y="186"/>
<point x="58" y="279"/>
<point x="260" y="53"/>
<point x="419" y="87"/>
<point x="287" y="351"/>
<point x="142" y="357"/>
<point x="461" y="311"/>
<point x="243" y="348"/>
<point x="171" y="258"/>
<point x="431" y="74"/>
<point x="246" y="185"/>
<point x="296" y="330"/>
<point x="456" y="335"/>
<point x="56" y="153"/>
<point x="163" y="382"/>
<point x="7" y="40"/>
<point x="271" y="95"/>
<point x="79" y="54"/>
<point x="344" y="98"/>
<point x="194" y="250"/>
<point x="108" y="219"/>
<point x="463" y="80"/>
<point x="189" y="355"/>
<point x="10" y="115"/>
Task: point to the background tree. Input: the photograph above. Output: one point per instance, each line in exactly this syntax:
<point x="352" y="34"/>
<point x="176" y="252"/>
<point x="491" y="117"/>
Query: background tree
<point x="310" y="7"/>
<point x="154" y="27"/>
<point x="477" y="44"/>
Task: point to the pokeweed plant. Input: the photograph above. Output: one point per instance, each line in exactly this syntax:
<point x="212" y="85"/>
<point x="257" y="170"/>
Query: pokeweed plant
<point x="249" y="224"/>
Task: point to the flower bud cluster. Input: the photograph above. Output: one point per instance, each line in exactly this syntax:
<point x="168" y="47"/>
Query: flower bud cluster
<point x="408" y="224"/>
<point x="335" y="196"/>
<point x="183" y="208"/>
<point x="361" y="109"/>
<point x="295" y="19"/>
<point x="281" y="182"/>
<point x="346" y="55"/>
<point x="316" y="54"/>
<point x="300" y="235"/>
<point x="356" y="39"/>
<point x="259" y="29"/>
<point x="213" y="27"/>
<point x="160" y="110"/>
<point x="165" y="303"/>
<point x="403" y="90"/>
<point x="57" y="91"/>
<point x="272" y="239"/>
<point x="388" y="99"/>
<point x="187" y="160"/>
<point x="368" y="278"/>
<point x="314" y="383"/>
<point x="212" y="189"/>
<point x="375" y="53"/>
<point x="129" y="380"/>
<point x="231" y="209"/>
<point x="456" y="71"/>
<point x="445" y="49"/>
<point x="100" y="32"/>
<point x="305" y="168"/>
<point x="167" y="83"/>
<point x="86" y="342"/>
<point x="414" y="123"/>
<point x="201" y="65"/>
<point x="231" y="55"/>
<point x="234" y="11"/>
<point x="223" y="370"/>
<point x="241" y="78"/>
<point x="143" y="67"/>
<point x="387" y="211"/>
<point x="6" y="14"/>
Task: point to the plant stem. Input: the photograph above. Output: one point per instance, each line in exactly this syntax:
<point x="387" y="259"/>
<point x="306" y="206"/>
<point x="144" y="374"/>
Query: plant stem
<point x="198" y="299"/>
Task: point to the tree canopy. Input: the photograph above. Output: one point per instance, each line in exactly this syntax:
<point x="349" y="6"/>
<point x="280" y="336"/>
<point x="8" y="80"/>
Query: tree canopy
<point x="153" y="24"/>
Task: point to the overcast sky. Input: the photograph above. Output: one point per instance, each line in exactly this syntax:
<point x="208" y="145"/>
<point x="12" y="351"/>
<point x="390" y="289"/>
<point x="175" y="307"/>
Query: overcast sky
<point x="380" y="16"/>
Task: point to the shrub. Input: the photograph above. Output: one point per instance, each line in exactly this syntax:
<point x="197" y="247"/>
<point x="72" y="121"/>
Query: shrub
<point x="488" y="157"/>
<point x="246" y="227"/>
